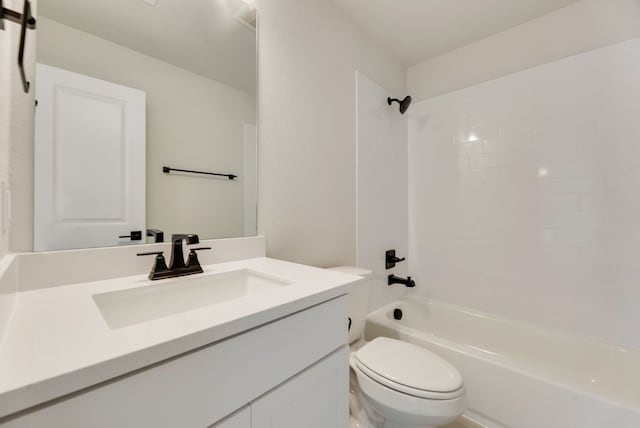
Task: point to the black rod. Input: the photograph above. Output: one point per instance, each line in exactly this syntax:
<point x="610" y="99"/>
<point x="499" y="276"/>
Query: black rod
<point x="23" y="35"/>
<point x="16" y="17"/>
<point x="26" y="21"/>
<point x="167" y="170"/>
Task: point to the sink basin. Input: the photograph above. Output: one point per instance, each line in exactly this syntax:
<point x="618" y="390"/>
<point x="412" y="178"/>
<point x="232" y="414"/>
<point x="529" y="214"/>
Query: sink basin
<point x="135" y="305"/>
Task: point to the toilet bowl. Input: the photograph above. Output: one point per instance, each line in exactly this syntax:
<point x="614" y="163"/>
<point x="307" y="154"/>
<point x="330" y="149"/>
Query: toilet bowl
<point x="396" y="384"/>
<point x="401" y="385"/>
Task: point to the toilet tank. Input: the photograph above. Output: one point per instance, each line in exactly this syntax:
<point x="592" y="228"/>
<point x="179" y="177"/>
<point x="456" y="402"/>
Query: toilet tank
<point x="358" y="300"/>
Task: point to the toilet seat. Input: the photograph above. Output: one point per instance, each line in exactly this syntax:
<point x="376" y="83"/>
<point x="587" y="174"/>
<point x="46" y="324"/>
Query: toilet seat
<point x="409" y="369"/>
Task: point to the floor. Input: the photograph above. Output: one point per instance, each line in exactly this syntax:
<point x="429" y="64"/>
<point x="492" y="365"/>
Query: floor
<point x="463" y="423"/>
<point x="460" y="423"/>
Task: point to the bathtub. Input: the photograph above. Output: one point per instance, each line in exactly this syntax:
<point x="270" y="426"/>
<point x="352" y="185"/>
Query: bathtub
<point x="522" y="375"/>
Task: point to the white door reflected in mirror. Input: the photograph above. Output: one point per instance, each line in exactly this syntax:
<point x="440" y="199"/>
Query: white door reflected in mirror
<point x="89" y="183"/>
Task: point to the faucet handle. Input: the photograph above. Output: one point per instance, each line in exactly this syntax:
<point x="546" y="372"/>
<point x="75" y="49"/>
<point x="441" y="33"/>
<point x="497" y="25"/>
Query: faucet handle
<point x="151" y="253"/>
<point x="193" y="262"/>
<point x="391" y="259"/>
<point x="160" y="265"/>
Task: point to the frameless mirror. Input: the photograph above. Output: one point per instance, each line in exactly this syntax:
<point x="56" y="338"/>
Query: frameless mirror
<point x="145" y="121"/>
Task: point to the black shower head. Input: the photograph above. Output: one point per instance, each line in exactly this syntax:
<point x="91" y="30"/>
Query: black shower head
<point x="404" y="104"/>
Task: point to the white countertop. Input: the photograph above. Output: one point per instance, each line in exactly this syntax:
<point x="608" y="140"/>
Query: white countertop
<point x="57" y="341"/>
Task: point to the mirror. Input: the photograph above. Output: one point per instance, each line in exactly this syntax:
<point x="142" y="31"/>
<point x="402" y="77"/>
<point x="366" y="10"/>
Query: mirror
<point x="128" y="92"/>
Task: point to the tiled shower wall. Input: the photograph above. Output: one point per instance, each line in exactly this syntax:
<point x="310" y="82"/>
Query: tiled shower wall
<point x="524" y="194"/>
<point x="382" y="187"/>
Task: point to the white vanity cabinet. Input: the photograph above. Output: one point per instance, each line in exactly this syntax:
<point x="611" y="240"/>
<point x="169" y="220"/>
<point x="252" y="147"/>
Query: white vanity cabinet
<point x="290" y="372"/>
<point x="313" y="399"/>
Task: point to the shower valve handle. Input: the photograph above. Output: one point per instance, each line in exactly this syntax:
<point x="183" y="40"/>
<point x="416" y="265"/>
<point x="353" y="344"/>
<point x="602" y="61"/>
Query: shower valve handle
<point x="391" y="259"/>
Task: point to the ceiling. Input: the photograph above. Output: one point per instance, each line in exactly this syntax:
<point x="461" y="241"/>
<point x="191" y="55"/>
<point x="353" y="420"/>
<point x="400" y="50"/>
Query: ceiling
<point x="416" y="30"/>
<point x="201" y="36"/>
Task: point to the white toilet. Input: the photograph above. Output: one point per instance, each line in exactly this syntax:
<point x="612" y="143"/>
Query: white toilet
<point x="396" y="384"/>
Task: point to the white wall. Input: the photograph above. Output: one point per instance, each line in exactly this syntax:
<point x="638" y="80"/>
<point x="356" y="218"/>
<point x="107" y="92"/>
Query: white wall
<point x="7" y="40"/>
<point x="308" y="54"/>
<point x="250" y="180"/>
<point x="525" y="194"/>
<point x="16" y="133"/>
<point x="580" y="27"/>
<point x="6" y="65"/>
<point x="16" y="129"/>
<point x="192" y="122"/>
<point x="382" y="217"/>
<point x="20" y="157"/>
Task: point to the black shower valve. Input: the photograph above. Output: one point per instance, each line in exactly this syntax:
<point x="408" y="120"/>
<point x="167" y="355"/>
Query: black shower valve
<point x="391" y="259"/>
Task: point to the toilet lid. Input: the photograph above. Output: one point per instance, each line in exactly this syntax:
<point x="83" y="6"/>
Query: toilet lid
<point x="405" y="367"/>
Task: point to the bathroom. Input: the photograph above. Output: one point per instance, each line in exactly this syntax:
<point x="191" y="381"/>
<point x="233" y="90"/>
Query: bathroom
<point x="505" y="186"/>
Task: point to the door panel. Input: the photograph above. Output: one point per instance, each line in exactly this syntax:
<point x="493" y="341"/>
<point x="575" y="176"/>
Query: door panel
<point x="89" y="161"/>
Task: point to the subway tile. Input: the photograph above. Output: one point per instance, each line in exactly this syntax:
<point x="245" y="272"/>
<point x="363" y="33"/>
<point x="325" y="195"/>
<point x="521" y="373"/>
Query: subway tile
<point x="498" y="145"/>
<point x="486" y="174"/>
<point x="588" y="202"/>
<point x="572" y="220"/>
<point x="468" y="149"/>
<point x="477" y="133"/>
<point x="569" y="185"/>
<point x="493" y="160"/>
<point x="569" y="237"/>
<point x="568" y="168"/>
<point x="463" y="163"/>
<point x="562" y="202"/>
<point x="549" y="208"/>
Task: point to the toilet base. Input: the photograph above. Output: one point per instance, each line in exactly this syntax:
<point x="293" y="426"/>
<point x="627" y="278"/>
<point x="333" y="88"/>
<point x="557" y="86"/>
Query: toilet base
<point x="362" y="415"/>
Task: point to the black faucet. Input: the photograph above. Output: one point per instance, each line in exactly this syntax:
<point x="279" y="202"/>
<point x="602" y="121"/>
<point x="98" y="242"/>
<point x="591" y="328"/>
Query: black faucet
<point x="158" y="235"/>
<point x="177" y="257"/>
<point x="407" y="282"/>
<point x="177" y="265"/>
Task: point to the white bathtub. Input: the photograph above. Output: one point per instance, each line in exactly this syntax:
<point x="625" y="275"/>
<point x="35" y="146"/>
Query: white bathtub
<point x="522" y="375"/>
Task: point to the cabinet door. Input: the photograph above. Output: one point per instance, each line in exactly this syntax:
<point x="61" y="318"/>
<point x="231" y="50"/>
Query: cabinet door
<point x="316" y="398"/>
<point x="240" y="419"/>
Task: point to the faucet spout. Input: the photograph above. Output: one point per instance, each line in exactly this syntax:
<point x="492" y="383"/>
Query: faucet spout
<point x="407" y="282"/>
<point x="177" y="255"/>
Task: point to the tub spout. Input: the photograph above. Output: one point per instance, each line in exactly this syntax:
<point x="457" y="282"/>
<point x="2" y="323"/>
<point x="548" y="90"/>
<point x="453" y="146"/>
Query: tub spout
<point x="407" y="282"/>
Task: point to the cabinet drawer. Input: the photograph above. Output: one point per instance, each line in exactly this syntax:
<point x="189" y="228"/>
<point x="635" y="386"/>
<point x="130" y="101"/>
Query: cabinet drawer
<point x="201" y="387"/>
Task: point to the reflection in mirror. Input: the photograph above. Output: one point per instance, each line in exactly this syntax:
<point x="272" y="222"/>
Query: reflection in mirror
<point x="126" y="88"/>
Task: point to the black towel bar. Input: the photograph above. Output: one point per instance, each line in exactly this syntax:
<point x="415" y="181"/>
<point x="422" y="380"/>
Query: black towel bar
<point x="167" y="170"/>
